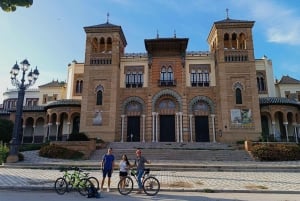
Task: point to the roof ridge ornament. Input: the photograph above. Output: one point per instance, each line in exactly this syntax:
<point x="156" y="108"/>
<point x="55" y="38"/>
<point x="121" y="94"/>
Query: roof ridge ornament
<point x="227" y="13"/>
<point x="107" y="16"/>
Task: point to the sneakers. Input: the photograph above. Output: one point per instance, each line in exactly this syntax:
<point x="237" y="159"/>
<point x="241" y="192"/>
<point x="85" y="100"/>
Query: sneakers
<point x="108" y="189"/>
<point x="139" y="192"/>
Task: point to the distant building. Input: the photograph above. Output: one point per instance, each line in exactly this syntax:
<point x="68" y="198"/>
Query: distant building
<point x="167" y="94"/>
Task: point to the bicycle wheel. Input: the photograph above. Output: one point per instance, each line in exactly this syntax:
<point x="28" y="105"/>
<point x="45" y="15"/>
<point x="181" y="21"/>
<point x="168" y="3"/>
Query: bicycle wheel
<point x="83" y="186"/>
<point x="125" y="185"/>
<point x="95" y="182"/>
<point x="60" y="186"/>
<point x="151" y="186"/>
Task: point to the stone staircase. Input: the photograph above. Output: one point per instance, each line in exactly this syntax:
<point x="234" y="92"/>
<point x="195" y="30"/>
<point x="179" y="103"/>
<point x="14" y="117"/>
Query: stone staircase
<point x="180" y="152"/>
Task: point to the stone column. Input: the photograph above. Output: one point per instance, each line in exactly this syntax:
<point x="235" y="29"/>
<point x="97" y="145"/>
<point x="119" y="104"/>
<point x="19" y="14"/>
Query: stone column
<point x="24" y="126"/>
<point x="213" y="126"/>
<point x="191" y="127"/>
<point x="143" y="119"/>
<point x="180" y="121"/>
<point x="49" y="130"/>
<point x="177" y="126"/>
<point x="69" y="129"/>
<point x="56" y="135"/>
<point x="273" y="129"/>
<point x="286" y="130"/>
<point x="122" y="127"/>
<point x="33" y="134"/>
<point x="156" y="127"/>
<point x="153" y="126"/>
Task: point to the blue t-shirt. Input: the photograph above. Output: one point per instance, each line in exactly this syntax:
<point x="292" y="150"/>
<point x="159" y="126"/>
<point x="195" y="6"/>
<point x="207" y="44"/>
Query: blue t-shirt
<point x="108" y="160"/>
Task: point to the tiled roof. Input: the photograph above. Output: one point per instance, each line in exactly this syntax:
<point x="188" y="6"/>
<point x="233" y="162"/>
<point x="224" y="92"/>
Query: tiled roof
<point x="54" y="84"/>
<point x="64" y="102"/>
<point x="228" y="20"/>
<point x="105" y="25"/>
<point x="288" y="80"/>
<point x="277" y="101"/>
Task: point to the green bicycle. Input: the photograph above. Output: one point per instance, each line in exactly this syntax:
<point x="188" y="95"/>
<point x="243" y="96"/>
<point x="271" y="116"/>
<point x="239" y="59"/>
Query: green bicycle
<point x="77" y="180"/>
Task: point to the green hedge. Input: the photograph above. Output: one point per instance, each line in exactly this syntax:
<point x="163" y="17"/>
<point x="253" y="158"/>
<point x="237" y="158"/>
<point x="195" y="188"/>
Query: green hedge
<point x="54" y="151"/>
<point x="276" y="152"/>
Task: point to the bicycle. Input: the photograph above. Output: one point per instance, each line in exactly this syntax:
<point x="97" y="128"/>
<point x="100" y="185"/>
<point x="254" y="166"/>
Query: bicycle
<point x="151" y="185"/>
<point x="77" y="180"/>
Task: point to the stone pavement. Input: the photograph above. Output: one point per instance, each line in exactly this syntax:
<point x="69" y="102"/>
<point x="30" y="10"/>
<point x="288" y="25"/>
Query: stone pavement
<point x="248" y="176"/>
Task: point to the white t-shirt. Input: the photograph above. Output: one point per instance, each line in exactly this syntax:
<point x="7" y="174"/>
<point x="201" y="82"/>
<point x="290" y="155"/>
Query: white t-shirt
<point x="123" y="166"/>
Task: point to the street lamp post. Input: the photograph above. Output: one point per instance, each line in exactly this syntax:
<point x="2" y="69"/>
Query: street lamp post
<point x="21" y="86"/>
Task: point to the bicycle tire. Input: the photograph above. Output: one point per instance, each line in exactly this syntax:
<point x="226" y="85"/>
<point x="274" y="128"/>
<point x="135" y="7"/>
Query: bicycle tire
<point x="95" y="182"/>
<point x="61" y="186"/>
<point x="151" y="186"/>
<point x="83" y="186"/>
<point x="125" y="185"/>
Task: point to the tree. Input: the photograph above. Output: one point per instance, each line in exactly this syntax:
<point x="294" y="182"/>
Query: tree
<point x="11" y="5"/>
<point x="6" y="129"/>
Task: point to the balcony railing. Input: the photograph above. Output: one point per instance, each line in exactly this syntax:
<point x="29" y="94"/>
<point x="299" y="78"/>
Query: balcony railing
<point x="167" y="83"/>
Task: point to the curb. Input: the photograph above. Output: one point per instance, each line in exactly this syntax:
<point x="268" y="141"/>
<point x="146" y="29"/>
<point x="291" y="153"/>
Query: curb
<point x="38" y="188"/>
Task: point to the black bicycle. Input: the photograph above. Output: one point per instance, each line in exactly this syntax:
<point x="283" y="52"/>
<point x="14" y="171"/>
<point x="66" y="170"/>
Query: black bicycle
<point x="151" y="185"/>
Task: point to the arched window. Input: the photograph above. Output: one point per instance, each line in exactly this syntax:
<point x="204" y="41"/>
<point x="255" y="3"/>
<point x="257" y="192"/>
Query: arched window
<point x="234" y="41"/>
<point x="163" y="74"/>
<point x="99" y="95"/>
<point x="102" y="45"/>
<point x="238" y="96"/>
<point x="109" y="45"/>
<point x="170" y="74"/>
<point x="242" y="41"/>
<point x="94" y="45"/>
<point x="79" y="86"/>
<point x="99" y="98"/>
<point x="226" y="41"/>
<point x="261" y="82"/>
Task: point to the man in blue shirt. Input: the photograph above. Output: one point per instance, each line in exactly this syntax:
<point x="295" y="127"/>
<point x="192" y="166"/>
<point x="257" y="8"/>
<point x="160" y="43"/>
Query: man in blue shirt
<point x="107" y="165"/>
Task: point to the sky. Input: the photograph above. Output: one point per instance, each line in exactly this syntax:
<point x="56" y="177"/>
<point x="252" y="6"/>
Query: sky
<point x="50" y="33"/>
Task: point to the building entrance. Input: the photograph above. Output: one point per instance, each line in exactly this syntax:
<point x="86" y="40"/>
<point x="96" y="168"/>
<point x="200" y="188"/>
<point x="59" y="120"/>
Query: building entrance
<point x="201" y="129"/>
<point x="133" y="129"/>
<point x="167" y="128"/>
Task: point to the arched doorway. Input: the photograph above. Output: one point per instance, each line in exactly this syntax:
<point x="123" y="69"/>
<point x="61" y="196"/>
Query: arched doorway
<point x="133" y="111"/>
<point x="166" y="108"/>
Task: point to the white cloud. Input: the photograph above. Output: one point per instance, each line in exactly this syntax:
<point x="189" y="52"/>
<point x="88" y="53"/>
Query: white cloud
<point x="281" y="23"/>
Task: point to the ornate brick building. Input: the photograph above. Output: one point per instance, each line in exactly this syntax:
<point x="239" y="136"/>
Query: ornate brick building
<point x="169" y="94"/>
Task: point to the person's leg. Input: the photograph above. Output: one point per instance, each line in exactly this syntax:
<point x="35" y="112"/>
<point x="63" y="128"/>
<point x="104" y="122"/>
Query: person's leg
<point x="108" y="180"/>
<point x="139" y="176"/>
<point x="103" y="178"/>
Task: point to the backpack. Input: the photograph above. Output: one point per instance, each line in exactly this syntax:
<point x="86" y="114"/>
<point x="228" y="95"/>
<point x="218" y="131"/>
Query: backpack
<point x="93" y="192"/>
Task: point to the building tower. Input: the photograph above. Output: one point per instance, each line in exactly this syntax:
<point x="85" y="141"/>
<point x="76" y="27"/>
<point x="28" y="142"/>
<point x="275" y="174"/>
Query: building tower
<point x="105" y="44"/>
<point x="237" y="97"/>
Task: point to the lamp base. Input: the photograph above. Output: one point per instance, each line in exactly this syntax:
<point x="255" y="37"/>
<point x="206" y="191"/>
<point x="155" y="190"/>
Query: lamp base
<point x="12" y="159"/>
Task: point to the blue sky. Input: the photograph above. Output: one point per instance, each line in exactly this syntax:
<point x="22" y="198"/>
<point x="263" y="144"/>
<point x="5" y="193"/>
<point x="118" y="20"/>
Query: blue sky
<point x="50" y="33"/>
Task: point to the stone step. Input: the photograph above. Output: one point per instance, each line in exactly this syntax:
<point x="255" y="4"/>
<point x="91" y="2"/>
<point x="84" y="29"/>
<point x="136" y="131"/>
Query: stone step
<point x="178" y="154"/>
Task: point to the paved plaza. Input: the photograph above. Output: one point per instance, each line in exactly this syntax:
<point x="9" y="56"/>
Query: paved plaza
<point x="257" y="179"/>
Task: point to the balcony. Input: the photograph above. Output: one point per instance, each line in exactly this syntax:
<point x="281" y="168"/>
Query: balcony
<point x="166" y="83"/>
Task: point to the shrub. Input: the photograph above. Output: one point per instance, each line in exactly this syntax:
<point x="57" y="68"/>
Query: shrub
<point x="78" y="137"/>
<point x="3" y="152"/>
<point x="6" y="129"/>
<point x="30" y="147"/>
<point x="54" y="151"/>
<point x="276" y="152"/>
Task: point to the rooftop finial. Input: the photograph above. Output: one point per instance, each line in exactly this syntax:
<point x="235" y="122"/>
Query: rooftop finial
<point x="174" y="33"/>
<point x="107" y="18"/>
<point x="227" y="15"/>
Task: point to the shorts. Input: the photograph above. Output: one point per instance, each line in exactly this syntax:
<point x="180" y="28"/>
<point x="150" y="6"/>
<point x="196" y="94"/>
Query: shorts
<point x="123" y="174"/>
<point x="107" y="172"/>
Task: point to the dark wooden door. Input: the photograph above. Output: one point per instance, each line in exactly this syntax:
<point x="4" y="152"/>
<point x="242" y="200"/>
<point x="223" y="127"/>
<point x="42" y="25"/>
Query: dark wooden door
<point x="167" y="128"/>
<point x="201" y="129"/>
<point x="133" y="129"/>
